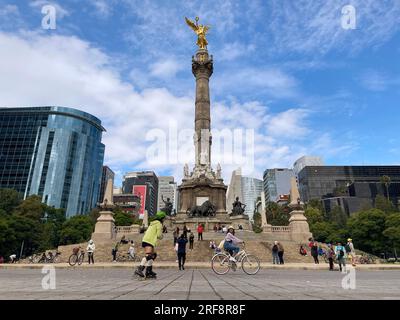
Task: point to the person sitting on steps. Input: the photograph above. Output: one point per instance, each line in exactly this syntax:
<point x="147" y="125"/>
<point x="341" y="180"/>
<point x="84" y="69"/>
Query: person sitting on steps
<point x="231" y="242"/>
<point x="149" y="241"/>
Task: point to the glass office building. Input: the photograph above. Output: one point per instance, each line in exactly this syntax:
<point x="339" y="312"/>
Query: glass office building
<point x="251" y="191"/>
<point x="276" y="182"/>
<point x="54" y="152"/>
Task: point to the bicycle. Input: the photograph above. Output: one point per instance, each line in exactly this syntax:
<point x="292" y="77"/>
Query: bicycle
<point x="221" y="262"/>
<point x="127" y="258"/>
<point x="77" y="256"/>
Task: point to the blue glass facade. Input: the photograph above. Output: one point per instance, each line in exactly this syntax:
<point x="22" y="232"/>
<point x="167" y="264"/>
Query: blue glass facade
<point x="55" y="152"/>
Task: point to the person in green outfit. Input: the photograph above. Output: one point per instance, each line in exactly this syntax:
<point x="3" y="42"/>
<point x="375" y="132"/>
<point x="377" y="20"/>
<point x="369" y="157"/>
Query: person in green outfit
<point x="149" y="242"/>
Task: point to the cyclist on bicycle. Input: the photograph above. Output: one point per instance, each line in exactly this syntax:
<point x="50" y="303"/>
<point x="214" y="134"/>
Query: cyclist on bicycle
<point x="149" y="241"/>
<point x="231" y="242"/>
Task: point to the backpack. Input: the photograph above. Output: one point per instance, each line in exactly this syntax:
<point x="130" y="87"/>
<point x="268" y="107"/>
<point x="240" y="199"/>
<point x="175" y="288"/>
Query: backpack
<point x="341" y="253"/>
<point x="221" y="244"/>
<point x="347" y="248"/>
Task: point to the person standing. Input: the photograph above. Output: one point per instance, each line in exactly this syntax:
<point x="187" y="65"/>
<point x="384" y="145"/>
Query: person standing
<point x="185" y="231"/>
<point x="114" y="251"/>
<point x="200" y="230"/>
<point x="150" y="239"/>
<point x="351" y="251"/>
<point x="191" y="241"/>
<point x="175" y="235"/>
<point x="131" y="250"/>
<point x="341" y="256"/>
<point x="275" y="250"/>
<point x="314" y="252"/>
<point x="330" y="253"/>
<point x="90" y="250"/>
<point x="182" y="241"/>
<point x="281" y="250"/>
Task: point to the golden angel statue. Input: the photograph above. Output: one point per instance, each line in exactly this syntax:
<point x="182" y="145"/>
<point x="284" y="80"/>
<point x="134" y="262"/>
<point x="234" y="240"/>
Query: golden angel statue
<point x="201" y="32"/>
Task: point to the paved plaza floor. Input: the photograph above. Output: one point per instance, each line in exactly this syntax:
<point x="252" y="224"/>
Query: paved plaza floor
<point x="197" y="284"/>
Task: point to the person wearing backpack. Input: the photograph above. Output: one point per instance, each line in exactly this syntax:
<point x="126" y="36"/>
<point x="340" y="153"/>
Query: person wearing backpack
<point x="314" y="252"/>
<point x="340" y="252"/>
<point x="275" y="250"/>
<point x="350" y="251"/>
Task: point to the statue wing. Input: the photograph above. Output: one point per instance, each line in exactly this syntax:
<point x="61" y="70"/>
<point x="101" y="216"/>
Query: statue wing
<point x="206" y="28"/>
<point x="191" y="24"/>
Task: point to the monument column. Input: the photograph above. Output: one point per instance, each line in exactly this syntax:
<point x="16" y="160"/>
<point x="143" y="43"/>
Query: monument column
<point x="202" y="68"/>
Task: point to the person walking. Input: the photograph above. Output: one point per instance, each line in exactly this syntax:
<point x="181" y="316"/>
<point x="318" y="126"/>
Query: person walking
<point x="200" y="230"/>
<point x="314" y="252"/>
<point x="350" y="251"/>
<point x="150" y="239"/>
<point x="182" y="241"/>
<point x="191" y="241"/>
<point x="281" y="250"/>
<point x="330" y="253"/>
<point x="340" y="252"/>
<point x="114" y="251"/>
<point x="176" y="235"/>
<point x="90" y="251"/>
<point x="185" y="231"/>
<point x="275" y="250"/>
<point x="131" y="250"/>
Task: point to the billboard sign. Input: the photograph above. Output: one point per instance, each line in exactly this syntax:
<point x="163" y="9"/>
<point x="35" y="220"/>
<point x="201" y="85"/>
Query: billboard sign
<point x="140" y="191"/>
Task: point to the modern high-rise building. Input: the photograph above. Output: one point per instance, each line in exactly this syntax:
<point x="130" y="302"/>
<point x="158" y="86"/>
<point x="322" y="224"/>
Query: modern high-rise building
<point x="276" y="182"/>
<point x="167" y="188"/>
<point x="318" y="182"/>
<point x="106" y="175"/>
<point x="54" y="152"/>
<point x="251" y="191"/>
<point x="248" y="190"/>
<point x="304" y="161"/>
<point x="144" y="183"/>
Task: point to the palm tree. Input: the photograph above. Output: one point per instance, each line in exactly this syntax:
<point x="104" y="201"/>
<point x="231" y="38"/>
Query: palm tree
<point x="386" y="181"/>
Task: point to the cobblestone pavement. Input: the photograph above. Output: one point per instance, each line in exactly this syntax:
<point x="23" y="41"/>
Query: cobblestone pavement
<point x="198" y="284"/>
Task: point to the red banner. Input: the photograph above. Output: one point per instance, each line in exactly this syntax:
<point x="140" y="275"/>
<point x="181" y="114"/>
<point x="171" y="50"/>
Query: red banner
<point x="140" y="191"/>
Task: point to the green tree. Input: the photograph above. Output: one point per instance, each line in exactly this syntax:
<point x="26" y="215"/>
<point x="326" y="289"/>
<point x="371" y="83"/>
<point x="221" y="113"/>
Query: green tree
<point x="366" y="229"/>
<point x="313" y="215"/>
<point x="7" y="238"/>
<point x="77" y="229"/>
<point x="382" y="203"/>
<point x="337" y="216"/>
<point x="316" y="203"/>
<point x="257" y="222"/>
<point x="27" y="231"/>
<point x="123" y="219"/>
<point x="386" y="181"/>
<point x="9" y="200"/>
<point x="392" y="230"/>
<point x="94" y="214"/>
<point x="32" y="208"/>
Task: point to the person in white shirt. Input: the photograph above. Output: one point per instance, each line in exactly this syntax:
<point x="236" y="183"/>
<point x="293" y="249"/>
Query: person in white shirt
<point x="13" y="258"/>
<point x="131" y="250"/>
<point x="90" y="250"/>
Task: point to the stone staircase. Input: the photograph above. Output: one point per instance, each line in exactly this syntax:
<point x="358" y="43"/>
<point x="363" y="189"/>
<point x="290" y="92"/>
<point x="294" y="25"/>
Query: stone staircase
<point x="256" y="244"/>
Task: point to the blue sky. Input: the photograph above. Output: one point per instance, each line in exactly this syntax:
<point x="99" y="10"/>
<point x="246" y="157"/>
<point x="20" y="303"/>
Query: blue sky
<point x="286" y="69"/>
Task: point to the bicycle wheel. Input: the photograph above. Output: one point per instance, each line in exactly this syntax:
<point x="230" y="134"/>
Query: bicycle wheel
<point x="81" y="258"/>
<point x="73" y="259"/>
<point x="250" y="264"/>
<point x="220" y="263"/>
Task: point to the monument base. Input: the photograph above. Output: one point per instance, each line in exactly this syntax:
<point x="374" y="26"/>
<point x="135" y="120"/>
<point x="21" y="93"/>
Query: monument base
<point x="105" y="227"/>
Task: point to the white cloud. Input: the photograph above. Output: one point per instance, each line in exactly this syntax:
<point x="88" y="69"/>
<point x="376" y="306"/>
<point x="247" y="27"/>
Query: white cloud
<point x="165" y="68"/>
<point x="102" y="7"/>
<point x="378" y="81"/>
<point x="63" y="70"/>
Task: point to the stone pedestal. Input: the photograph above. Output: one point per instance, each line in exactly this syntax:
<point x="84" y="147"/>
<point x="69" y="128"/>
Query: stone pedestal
<point x="242" y="220"/>
<point x="300" y="230"/>
<point x="105" y="227"/>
